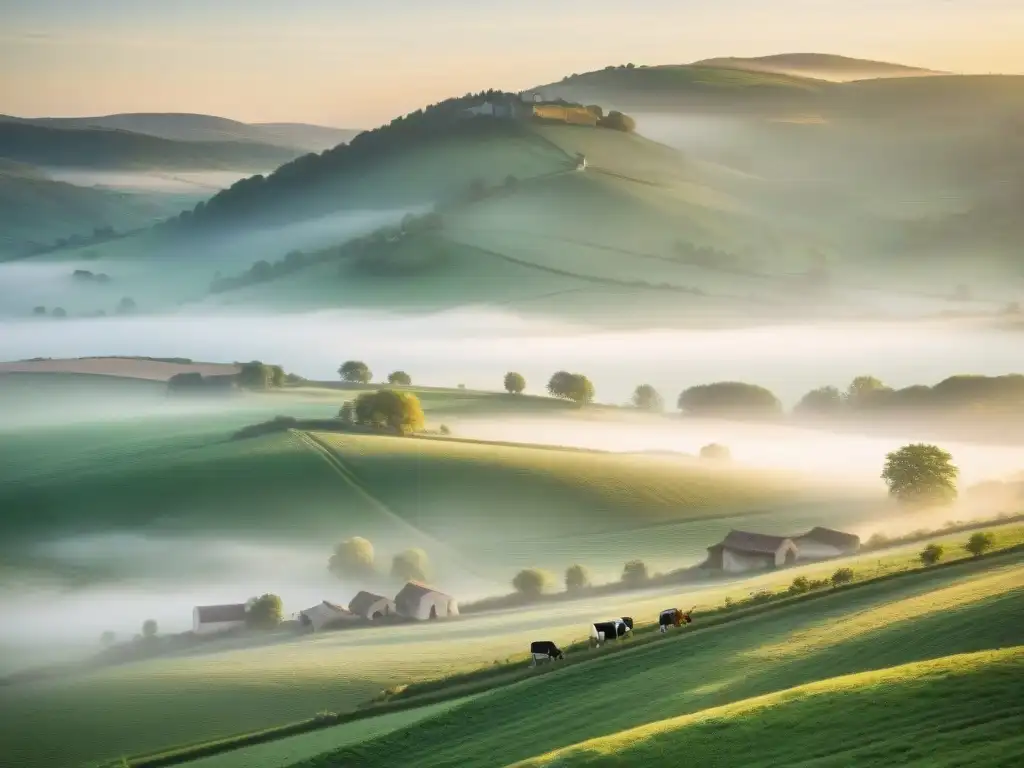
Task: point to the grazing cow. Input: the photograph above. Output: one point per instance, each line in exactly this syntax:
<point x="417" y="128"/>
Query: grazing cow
<point x="608" y="630"/>
<point x="544" y="650"/>
<point x="673" y="617"/>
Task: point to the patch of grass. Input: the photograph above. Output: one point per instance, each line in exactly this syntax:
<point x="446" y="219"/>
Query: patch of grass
<point x="932" y="614"/>
<point x="963" y="709"/>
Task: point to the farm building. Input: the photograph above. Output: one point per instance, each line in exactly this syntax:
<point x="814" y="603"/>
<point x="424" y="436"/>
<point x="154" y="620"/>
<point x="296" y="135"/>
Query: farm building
<point x="367" y="605"/>
<point x="822" y="543"/>
<point x="211" y="619"/>
<point x="324" y="615"/>
<point x="741" y="551"/>
<point x="418" y="601"/>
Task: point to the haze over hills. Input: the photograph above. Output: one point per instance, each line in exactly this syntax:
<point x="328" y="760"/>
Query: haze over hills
<point x="822" y="66"/>
<point x="205" y="128"/>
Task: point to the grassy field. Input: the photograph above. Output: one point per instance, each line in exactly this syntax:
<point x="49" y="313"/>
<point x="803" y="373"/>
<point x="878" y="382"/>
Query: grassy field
<point x="931" y="616"/>
<point x="963" y="709"/>
<point x="227" y="689"/>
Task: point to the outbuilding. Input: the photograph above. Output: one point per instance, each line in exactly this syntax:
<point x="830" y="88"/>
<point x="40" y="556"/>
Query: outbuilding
<point x="324" y="615"/>
<point x="741" y="551"/>
<point x="371" y="607"/>
<point x="822" y="543"/>
<point x="420" y="602"/>
<point x="211" y="619"/>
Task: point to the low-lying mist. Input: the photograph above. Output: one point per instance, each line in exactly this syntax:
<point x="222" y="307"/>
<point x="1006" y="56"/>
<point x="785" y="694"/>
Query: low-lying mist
<point x="475" y="347"/>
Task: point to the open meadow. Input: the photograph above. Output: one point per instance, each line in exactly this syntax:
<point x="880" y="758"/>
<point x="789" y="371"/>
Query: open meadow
<point x="231" y="686"/>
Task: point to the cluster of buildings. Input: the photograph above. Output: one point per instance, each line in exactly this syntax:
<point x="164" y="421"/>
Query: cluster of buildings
<point x="526" y="105"/>
<point x="741" y="551"/>
<point x="414" y="602"/>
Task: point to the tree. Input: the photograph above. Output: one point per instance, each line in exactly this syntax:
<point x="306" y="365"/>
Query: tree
<point x="634" y="573"/>
<point x="532" y="582"/>
<point x="59" y="312"/>
<point x="596" y="109"/>
<point x="107" y="639"/>
<point x="352" y="558"/>
<point x="931" y="554"/>
<point x="411" y="565"/>
<point x="347" y="413"/>
<point x="355" y="372"/>
<point x="729" y="398"/>
<point x="399" y="378"/>
<point x="571" y="386"/>
<point x="800" y="585"/>
<point x="399" y="410"/>
<point x="255" y="375"/>
<point x="39" y="311"/>
<point x="149" y="628"/>
<point x="646" y="398"/>
<point x="265" y="612"/>
<point x="576" y="578"/>
<point x="618" y="121"/>
<point x="716" y="452"/>
<point x="126" y="306"/>
<point x="842" y="576"/>
<point x="980" y="543"/>
<point x="514" y="383"/>
<point x="861" y="390"/>
<point x="921" y="475"/>
<point x="824" y="401"/>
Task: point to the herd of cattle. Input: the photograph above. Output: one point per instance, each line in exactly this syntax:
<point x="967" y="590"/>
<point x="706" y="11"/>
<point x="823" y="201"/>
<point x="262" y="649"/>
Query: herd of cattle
<point x="545" y="650"/>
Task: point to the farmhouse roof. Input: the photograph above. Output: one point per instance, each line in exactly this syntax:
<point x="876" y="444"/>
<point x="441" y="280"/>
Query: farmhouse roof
<point x="362" y="602"/>
<point x="831" y="537"/>
<point x="744" y="541"/>
<point x="213" y="614"/>
<point x="415" y="591"/>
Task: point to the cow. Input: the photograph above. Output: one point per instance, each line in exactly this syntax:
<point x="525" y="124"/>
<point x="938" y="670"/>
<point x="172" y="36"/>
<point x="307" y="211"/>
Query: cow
<point x="544" y="650"/>
<point x="606" y="630"/>
<point x="673" y="617"/>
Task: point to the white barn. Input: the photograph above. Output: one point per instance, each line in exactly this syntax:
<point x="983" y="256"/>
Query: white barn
<point x="420" y="602"/>
<point x="323" y="615"/>
<point x="741" y="551"/>
<point x="371" y="607"/>
<point x="211" y="619"/>
<point x="823" y="543"/>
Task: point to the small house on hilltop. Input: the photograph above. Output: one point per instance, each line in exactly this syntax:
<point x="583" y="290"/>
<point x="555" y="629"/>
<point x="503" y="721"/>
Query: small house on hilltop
<point x="324" y="615"/>
<point x="420" y="602"/>
<point x="741" y="551"/>
<point x="211" y="619"/>
<point x="822" y="543"/>
<point x="367" y="605"/>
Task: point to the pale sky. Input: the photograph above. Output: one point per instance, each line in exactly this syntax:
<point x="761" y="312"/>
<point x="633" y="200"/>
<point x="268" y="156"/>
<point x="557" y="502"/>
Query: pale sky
<point x="357" y="64"/>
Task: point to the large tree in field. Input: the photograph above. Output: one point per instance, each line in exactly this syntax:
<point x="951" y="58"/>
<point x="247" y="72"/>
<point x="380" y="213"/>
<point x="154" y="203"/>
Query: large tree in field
<point x="399" y="410"/>
<point x="355" y="372"/>
<point x="399" y="378"/>
<point x="571" y="386"/>
<point x="352" y="558"/>
<point x="411" y="565"/>
<point x="921" y="475"/>
<point x="265" y="612"/>
<point x="514" y="383"/>
<point x="646" y="398"/>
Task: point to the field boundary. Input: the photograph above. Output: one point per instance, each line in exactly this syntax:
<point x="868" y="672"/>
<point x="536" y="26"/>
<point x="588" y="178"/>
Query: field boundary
<point x="457" y="688"/>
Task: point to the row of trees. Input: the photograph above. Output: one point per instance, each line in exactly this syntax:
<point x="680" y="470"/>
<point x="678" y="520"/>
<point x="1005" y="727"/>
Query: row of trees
<point x="534" y="582"/>
<point x="355" y="559"/>
<point x="126" y="306"/>
<point x="358" y="372"/>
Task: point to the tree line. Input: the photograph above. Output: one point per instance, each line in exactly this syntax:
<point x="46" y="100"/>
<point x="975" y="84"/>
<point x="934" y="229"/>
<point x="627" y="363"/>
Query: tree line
<point x="355" y="558"/>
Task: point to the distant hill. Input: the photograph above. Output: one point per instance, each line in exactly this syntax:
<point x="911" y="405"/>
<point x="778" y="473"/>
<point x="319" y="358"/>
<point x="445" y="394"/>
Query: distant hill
<point x="822" y="66"/>
<point x="36" y="210"/>
<point x="205" y="128"/>
<point x="108" y="148"/>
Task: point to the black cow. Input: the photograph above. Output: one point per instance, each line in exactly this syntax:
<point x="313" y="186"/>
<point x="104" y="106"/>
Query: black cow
<point x="608" y="630"/>
<point x="544" y="650"/>
<point x="673" y="617"/>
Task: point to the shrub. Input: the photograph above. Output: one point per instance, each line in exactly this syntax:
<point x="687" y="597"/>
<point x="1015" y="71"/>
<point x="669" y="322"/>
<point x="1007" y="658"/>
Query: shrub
<point x="877" y="541"/>
<point x="635" y="573"/>
<point x="800" y="585"/>
<point x="571" y="386"/>
<point x="265" y="612"/>
<point x="59" y="312"/>
<point x="646" y="398"/>
<point x="980" y="543"/>
<point x="931" y="554"/>
<point x="149" y="628"/>
<point x="842" y="576"/>
<point x="576" y="578"/>
<point x="411" y="565"/>
<point x="715" y="452"/>
<point x="352" y="558"/>
<point x="126" y="306"/>
<point x="532" y="582"/>
<point x="444" y="430"/>
<point x="399" y="410"/>
<point x="618" y="121"/>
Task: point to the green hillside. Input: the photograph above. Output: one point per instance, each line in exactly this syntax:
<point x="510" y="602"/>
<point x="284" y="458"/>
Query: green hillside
<point x="102" y="148"/>
<point x="230" y="688"/>
<point x="956" y="710"/>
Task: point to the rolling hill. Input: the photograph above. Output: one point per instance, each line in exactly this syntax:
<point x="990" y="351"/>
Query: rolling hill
<point x="204" y="128"/>
<point x="821" y="66"/>
<point x="115" y="148"/>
